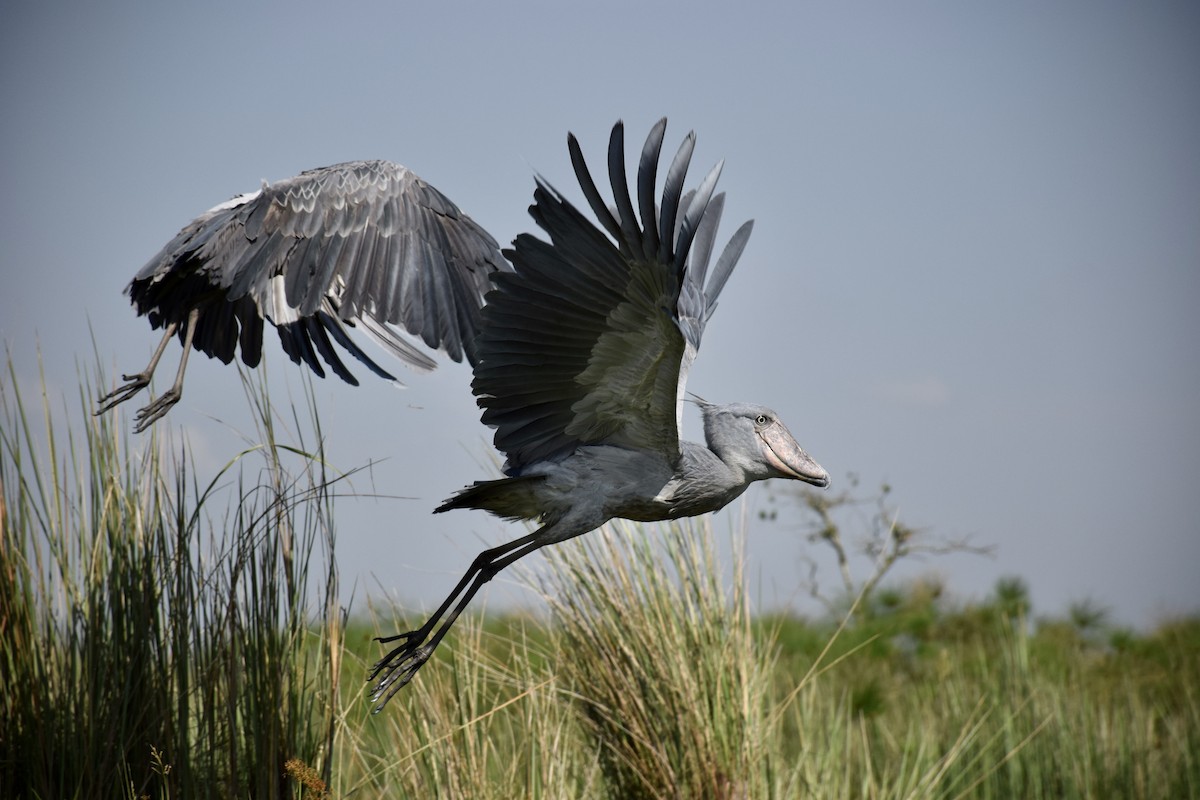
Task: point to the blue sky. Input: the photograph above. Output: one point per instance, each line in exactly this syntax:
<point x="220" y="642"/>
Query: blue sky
<point x="974" y="273"/>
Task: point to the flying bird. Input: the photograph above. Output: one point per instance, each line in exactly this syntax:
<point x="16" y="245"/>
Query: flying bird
<point x="580" y="342"/>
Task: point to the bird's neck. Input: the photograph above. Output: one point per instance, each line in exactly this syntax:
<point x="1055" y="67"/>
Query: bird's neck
<point x="705" y="481"/>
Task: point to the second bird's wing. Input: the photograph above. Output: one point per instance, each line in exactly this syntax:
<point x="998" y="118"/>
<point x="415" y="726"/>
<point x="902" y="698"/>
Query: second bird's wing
<point x="362" y="243"/>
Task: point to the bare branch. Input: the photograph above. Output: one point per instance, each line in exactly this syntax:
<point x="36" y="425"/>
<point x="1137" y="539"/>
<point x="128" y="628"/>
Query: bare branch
<point x="887" y="540"/>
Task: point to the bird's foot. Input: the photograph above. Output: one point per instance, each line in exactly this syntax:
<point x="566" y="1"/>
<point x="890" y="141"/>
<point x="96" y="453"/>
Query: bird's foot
<point x="399" y="666"/>
<point x="133" y="384"/>
<point x="157" y="408"/>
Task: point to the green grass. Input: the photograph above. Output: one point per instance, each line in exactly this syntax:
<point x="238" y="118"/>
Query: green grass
<point x="168" y="634"/>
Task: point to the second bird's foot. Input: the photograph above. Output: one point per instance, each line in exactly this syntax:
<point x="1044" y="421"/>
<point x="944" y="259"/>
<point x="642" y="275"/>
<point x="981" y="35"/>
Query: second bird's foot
<point x="133" y="384"/>
<point x="157" y="408"/>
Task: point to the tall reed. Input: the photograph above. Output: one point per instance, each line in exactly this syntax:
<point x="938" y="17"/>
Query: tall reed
<point x="661" y="661"/>
<point x="155" y="640"/>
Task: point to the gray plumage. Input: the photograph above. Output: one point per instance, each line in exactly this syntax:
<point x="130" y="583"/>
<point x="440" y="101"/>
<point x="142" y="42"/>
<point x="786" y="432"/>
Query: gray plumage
<point x="366" y="243"/>
<point x="580" y="352"/>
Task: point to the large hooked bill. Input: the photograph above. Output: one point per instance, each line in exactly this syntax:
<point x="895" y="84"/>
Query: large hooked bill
<point x="788" y="458"/>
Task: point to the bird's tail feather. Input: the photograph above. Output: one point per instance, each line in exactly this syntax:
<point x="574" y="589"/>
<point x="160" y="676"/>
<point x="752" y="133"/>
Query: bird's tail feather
<point x="510" y="498"/>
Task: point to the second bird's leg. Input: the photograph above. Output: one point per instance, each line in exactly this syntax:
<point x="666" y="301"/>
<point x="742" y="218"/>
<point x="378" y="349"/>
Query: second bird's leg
<point x="162" y="404"/>
<point x="135" y="383"/>
<point x="400" y="665"/>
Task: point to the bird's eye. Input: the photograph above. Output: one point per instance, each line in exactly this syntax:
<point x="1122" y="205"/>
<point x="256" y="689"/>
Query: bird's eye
<point x="761" y="419"/>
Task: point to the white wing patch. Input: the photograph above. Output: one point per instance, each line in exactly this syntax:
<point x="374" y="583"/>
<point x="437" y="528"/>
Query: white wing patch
<point x="276" y="308"/>
<point x="234" y="202"/>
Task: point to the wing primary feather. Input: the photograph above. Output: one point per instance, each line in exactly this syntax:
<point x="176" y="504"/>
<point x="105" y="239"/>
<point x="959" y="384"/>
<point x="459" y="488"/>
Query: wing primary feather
<point x="399" y="348"/>
<point x="647" y="182"/>
<point x="672" y="189"/>
<point x="250" y="338"/>
<point x="695" y="212"/>
<point x="295" y="342"/>
<point x="684" y="202"/>
<point x="584" y="176"/>
<point x="631" y="237"/>
<point x="315" y="331"/>
<point x="706" y="235"/>
<point x="726" y="263"/>
<point x="335" y="329"/>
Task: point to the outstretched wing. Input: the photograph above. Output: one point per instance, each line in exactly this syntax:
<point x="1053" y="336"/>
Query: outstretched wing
<point x="366" y="242"/>
<point x="589" y="339"/>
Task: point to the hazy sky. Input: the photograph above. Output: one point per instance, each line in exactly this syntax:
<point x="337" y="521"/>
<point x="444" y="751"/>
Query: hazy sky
<point x="974" y="274"/>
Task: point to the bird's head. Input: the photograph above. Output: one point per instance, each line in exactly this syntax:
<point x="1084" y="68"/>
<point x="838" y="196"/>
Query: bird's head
<point x="752" y="438"/>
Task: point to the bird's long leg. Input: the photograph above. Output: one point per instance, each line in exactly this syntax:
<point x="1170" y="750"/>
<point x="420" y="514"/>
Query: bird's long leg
<point x="400" y="665"/>
<point x="135" y="383"/>
<point x="146" y="416"/>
